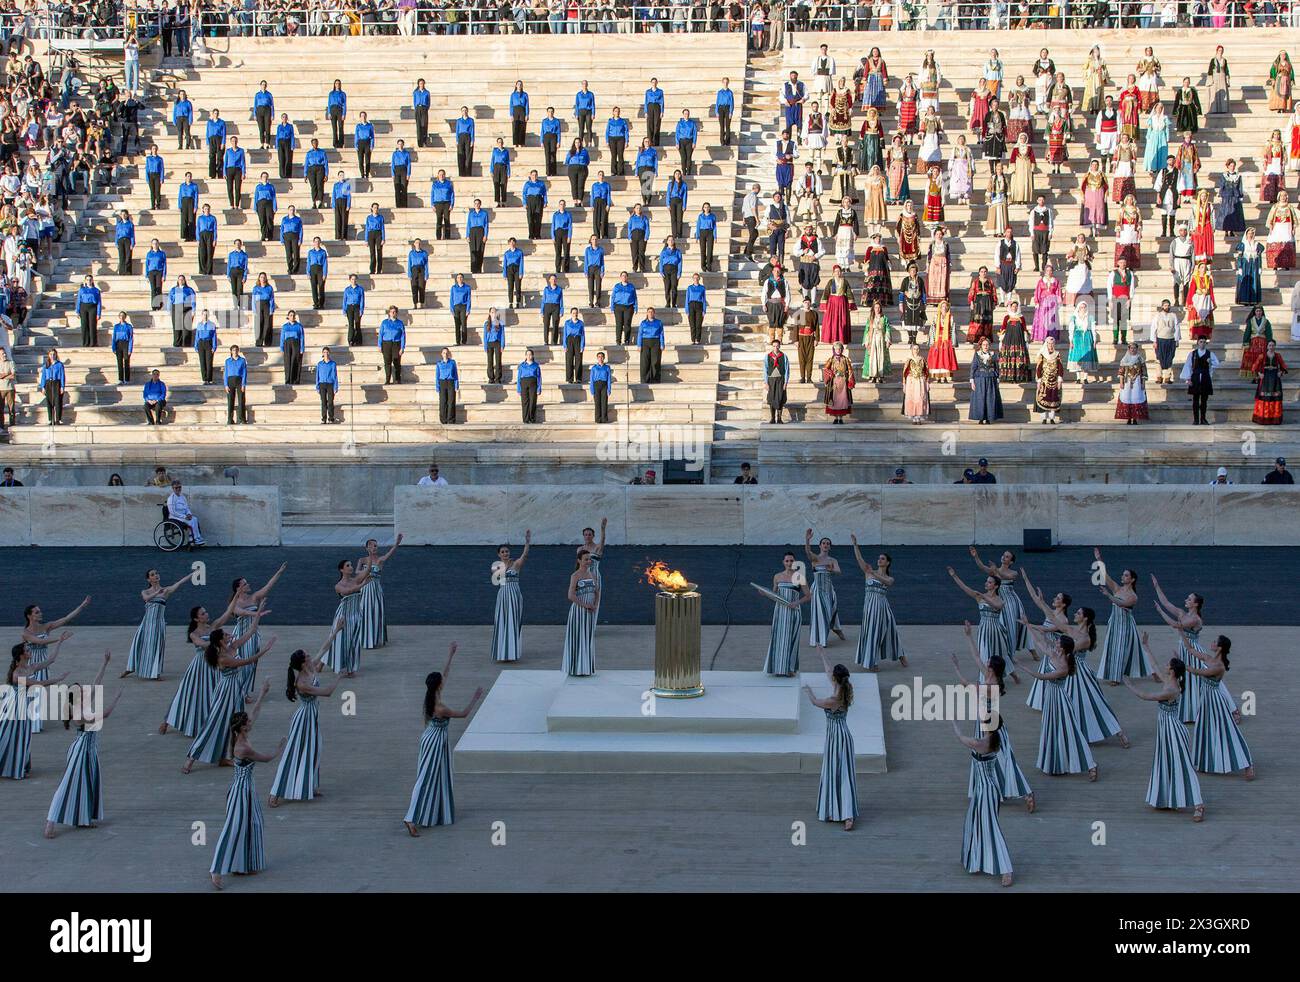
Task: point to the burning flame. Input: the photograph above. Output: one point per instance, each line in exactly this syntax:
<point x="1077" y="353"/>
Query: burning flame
<point x="658" y="574"/>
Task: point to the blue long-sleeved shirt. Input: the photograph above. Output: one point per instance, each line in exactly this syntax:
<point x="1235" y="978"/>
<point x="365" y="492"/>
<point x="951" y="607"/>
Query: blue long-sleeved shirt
<point x="292" y="331"/>
<point x="155" y="391"/>
<point x="460" y="294"/>
<point x="417" y="259"/>
<point x="266" y="192"/>
<point x="153" y="164"/>
<point x="687" y="130"/>
<point x="91" y="294"/>
<point x="477" y="219"/>
<point x="420" y="98"/>
<point x="600" y="191"/>
<point x="676" y="191"/>
<point x="653" y="97"/>
<point x="155" y="261"/>
<point x="291" y="225"/>
<point x="364" y="132"/>
<point x="651" y="329"/>
<point x="616" y="128"/>
<point x="670" y="257"/>
<point x="235" y="370"/>
<point x="263" y="97"/>
<point x="237" y="259"/>
<point x="315" y="157"/>
<point x="638" y="223"/>
<point x="533" y="189"/>
<point x="206" y="331"/>
<point x="339" y="98"/>
<point x="593" y="257"/>
<point x="551" y="295"/>
<point x="327" y="373"/>
<point x="53" y="373"/>
<point x="501" y="156"/>
<point x="577" y="158"/>
<point x="181" y="296"/>
<point x="215" y="130"/>
<point x="123" y="331"/>
<point x="354" y="296"/>
<point x="442" y="191"/>
<point x="519" y="100"/>
<point x="465" y="127"/>
<point x="494" y="332"/>
<point x="584" y="101"/>
<point x="706" y="222"/>
<point x="695" y="293"/>
<point x="623" y="295"/>
<point x="400" y="160"/>
<point x="187" y="189"/>
<point x="375" y="223"/>
<point x="648" y="157"/>
<point x="261" y="293"/>
<point x="341" y="191"/>
<point x="599" y="373"/>
<point x="446" y="371"/>
<point x="124" y="230"/>
<point x="725" y="99"/>
<point x="184" y="109"/>
<point x="528" y="369"/>
<point x="284" y="133"/>
<point x="206" y="224"/>
<point x="392" y="330"/>
<point x="576" y="329"/>
<point x="235" y="159"/>
<point x="561" y="221"/>
<point x="512" y="257"/>
<point x="551" y="126"/>
<point x="318" y="257"/>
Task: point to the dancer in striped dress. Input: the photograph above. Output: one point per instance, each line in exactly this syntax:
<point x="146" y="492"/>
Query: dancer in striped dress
<point x="145" y="660"/>
<point x="344" y="656"/>
<point x="837" y="792"/>
<point x="878" y="639"/>
<point x="1062" y="746"/>
<point x="824" y="604"/>
<point x="1217" y="746"/>
<point x="1012" y="608"/>
<point x="1173" y="782"/>
<point x="1122" y="654"/>
<point x="597" y="551"/>
<point x="36" y="635"/>
<point x="580" y="631"/>
<point x="79" y="798"/>
<point x="212" y="741"/>
<point x="983" y="849"/>
<point x="1056" y="619"/>
<point x="189" y="706"/>
<point x="432" y="799"/>
<point x="993" y="638"/>
<point x="246" y="601"/>
<point x="1186" y="623"/>
<point x="374" y="629"/>
<point x="240" y="846"/>
<point x="1097" y="720"/>
<point x="15" y="724"/>
<point x="1012" y="782"/>
<point x="783" y="643"/>
<point x="508" y="617"/>
<point x="297" y="778"/>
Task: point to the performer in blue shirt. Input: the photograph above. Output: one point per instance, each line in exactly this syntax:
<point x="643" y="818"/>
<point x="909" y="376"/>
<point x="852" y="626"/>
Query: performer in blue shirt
<point x="400" y="164"/>
<point x="446" y="382"/>
<point x="616" y="136"/>
<point x="724" y="104"/>
<point x="206" y="344"/>
<point x="687" y="132"/>
<point x="263" y="112"/>
<point x="292" y="341"/>
<point x="215" y="134"/>
<point x="519" y="114"/>
<point x="233" y="164"/>
<point x="593" y="264"/>
<point x="262" y="298"/>
<point x="706" y="232"/>
<point x="561" y="235"/>
<point x="318" y="271"/>
<point x="638" y="233"/>
<point x="442" y="195"/>
<point x="363" y="138"/>
<point x="551" y="303"/>
<point x="376" y="234"/>
<point x="528" y="383"/>
<point x="341" y="201"/>
<point x="187" y="200"/>
<point x="551" y="141"/>
<point x="494" y="340"/>
<point x="265" y="202"/>
<point x="697" y="305"/>
<point x="155" y="398"/>
<point x="500" y="167"/>
<point x="650" y="339"/>
<point x="155" y="271"/>
<point x="417" y="271"/>
<point x="237" y="269"/>
<point x="336" y="108"/>
<point x="420" y="98"/>
<point x="291" y="237"/>
<point x="206" y="226"/>
<point x="623" y="304"/>
<point x="124" y="236"/>
<point x="315" y="165"/>
<point x="286" y="142"/>
<point x="183" y="119"/>
<point x="464" y="143"/>
<point x="153" y="176"/>
<point x="534" y="195"/>
<point x="123" y="344"/>
<point x="575" y="343"/>
<point x="512" y="268"/>
<point x="600" y="379"/>
<point x="180" y="305"/>
<point x="584" y="111"/>
<point x="354" y="306"/>
<point x="676" y="195"/>
<point x="460" y="302"/>
<point x="577" y="161"/>
<point x="670" y="268"/>
<point x="653" y="106"/>
<point x="52" y="382"/>
<point x="392" y="342"/>
<point x="235" y="379"/>
<point x="647" y="166"/>
<point x="476" y="230"/>
<point x="601" y="200"/>
<point x="327" y="385"/>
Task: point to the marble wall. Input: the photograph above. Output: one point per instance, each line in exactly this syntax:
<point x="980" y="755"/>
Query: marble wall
<point x="245" y="515"/>
<point x="1077" y="514"/>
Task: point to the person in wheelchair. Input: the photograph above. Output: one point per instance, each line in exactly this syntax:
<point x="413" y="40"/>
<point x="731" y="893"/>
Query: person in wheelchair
<point x="178" y="509"/>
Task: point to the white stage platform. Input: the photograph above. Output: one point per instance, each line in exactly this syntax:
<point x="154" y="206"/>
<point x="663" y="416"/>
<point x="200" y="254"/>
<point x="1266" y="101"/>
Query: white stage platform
<point x="746" y="722"/>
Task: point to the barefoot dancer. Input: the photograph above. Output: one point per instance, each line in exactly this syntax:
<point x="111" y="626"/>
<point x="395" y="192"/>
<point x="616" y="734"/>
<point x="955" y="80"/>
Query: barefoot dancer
<point x="36" y="635"/>
<point x="79" y="798"/>
<point x="878" y="639"/>
<point x="16" y="725"/>
<point x="344" y="655"/>
<point x="189" y="706"/>
<point x="1062" y="746"/>
<point x="145" y="659"/>
<point x="596" y="550"/>
<point x="373" y="625"/>
<point x="213" y="739"/>
<point x="246" y="601"/>
<point x="983" y="849"/>
<point x="1217" y="746"/>
<point x="825" y="605"/>
<point x="1185" y="620"/>
<point x="297" y="777"/>
<point x="783" y="641"/>
<point x="508" y="617"/>
<point x="1173" y="782"/>
<point x="993" y="638"/>
<point x="1012" y="782"/>
<point x="1060" y="605"/>
<point x="1122" y="654"/>
<point x="1012" y="608"/>
<point x="837" y="792"/>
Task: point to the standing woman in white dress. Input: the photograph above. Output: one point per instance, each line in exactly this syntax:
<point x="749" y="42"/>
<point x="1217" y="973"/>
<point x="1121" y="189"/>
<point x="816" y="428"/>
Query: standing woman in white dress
<point x="35" y="636"/>
<point x="1062" y="745"/>
<point x="825" y="605"/>
<point x="298" y="776"/>
<point x="1123" y="654"/>
<point x="1173" y="782"/>
<point x="1012" y="782"/>
<point x="837" y="791"/>
<point x="783" y="641"/>
<point x="993" y="637"/>
<point x="508" y="617"/>
<point x="344" y="655"/>
<point x="1218" y="746"/>
<point x="189" y="706"/>
<point x="1186" y="623"/>
<point x="212" y="741"/>
<point x="374" y="628"/>
<point x="16" y="726"/>
<point x="79" y="798"/>
<point x="240" y="847"/>
<point x="246" y="601"/>
<point x="432" y="800"/>
<point x="580" y="631"/>
<point x="878" y="640"/>
<point x="983" y="848"/>
<point x="597" y="552"/>
<point x="1012" y="609"/>
<point x="145" y="659"/>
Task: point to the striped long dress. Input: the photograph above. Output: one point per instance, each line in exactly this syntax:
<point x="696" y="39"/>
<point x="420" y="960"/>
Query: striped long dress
<point x="1035" y="698"/>
<point x="783" y="644"/>
<point x="992" y="638"/>
<point x="594" y="569"/>
<point x="983" y="849"/>
<point x="1062" y="747"/>
<point x="298" y="774"/>
<point x="1083" y="691"/>
<point x="1012" y="611"/>
<point x="432" y="800"/>
<point x="878" y="641"/>
<point x="580" y="633"/>
<point x="37" y="696"/>
<point x="1011" y="781"/>
<point x="837" y="793"/>
<point x="1173" y="781"/>
<point x="374" y="629"/>
<point x="825" y="608"/>
<point x="240" y="847"/>
<point x="345" y="650"/>
<point x="79" y="799"/>
<point x="507" y="618"/>
<point x="213" y="738"/>
<point x="247" y="673"/>
<point x="150" y="641"/>
<point x="15" y="734"/>
<point x="1218" y="747"/>
<point x="189" y="706"/>
<point x="1193" y="685"/>
<point x="1122" y="654"/>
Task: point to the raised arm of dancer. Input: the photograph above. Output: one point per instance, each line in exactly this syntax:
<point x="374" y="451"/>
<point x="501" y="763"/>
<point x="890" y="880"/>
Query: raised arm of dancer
<point x="57" y="646"/>
<point x="263" y="758"/>
<point x="389" y="554"/>
<point x="264" y="650"/>
<point x="237" y="643"/>
<point x="974" y="595"/>
<point x="103" y="667"/>
<point x="988" y="568"/>
<point x="167" y="591"/>
<point x="1110" y="584"/>
<point x="451" y="653"/>
<point x="478" y="694"/>
<point x="857" y="554"/>
<point x="980" y="746"/>
<point x="255" y="708"/>
<point x="807" y="548"/>
<point x="528" y="544"/>
<point x="345" y="588"/>
<point x="1060" y="673"/>
<point x="1163" y="600"/>
<point x="260" y="595"/>
<point x="974" y="649"/>
<point x="1035" y="594"/>
<point x="228" y="613"/>
<point x="66" y="618"/>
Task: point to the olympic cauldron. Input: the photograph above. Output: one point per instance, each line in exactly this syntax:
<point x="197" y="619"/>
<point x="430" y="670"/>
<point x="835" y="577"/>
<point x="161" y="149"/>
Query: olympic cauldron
<point x="677" y="633"/>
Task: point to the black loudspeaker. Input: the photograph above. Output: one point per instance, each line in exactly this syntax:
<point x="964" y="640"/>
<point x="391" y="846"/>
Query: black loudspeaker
<point x="1038" y="540"/>
<point x="678" y="472"/>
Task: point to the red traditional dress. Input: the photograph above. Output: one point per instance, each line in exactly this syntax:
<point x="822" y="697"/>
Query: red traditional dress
<point x="837" y="375"/>
<point x="1272" y="170"/>
<point x="1128" y="236"/>
<point x="907" y="232"/>
<point x="1280" y="251"/>
<point x="908" y="97"/>
<point x="1200" y="305"/>
<point x="1122" y="168"/>
<point x="1203" y="228"/>
<point x="934" y="198"/>
<point x="942" y="357"/>
<point x="1056" y="134"/>
<point x="979" y="112"/>
<point x="1268" y="391"/>
<point x="835" y="307"/>
<point x="1130" y="102"/>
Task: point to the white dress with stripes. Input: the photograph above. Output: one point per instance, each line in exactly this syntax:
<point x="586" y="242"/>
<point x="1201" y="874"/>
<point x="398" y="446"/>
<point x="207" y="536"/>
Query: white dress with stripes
<point x="1122" y="653"/>
<point x="507" y="619"/>
<point x="213" y="738"/>
<point x="1084" y="691"/>
<point x="298" y="774"/>
<point x="1012" y="611"/>
<point x="580" y="633"/>
<point x="1192" y="684"/>
<point x="432" y="799"/>
<point x="783" y="644"/>
<point x="15" y="734"/>
<point x="1035" y="698"/>
<point x="878" y="640"/>
<point x="837" y="794"/>
<point x="1173" y="782"/>
<point x="240" y="846"/>
<point x="247" y="673"/>
<point x="189" y="706"/>
<point x="150" y="641"/>
<point x="37" y="696"/>
<point x="79" y="799"/>
<point x="1062" y="746"/>
<point x="345" y="650"/>
<point x="1218" y="746"/>
<point x="1011" y="781"/>
<point x="983" y="848"/>
<point x="992" y="638"/>
<point x="825" y="614"/>
<point x="374" y="628"/>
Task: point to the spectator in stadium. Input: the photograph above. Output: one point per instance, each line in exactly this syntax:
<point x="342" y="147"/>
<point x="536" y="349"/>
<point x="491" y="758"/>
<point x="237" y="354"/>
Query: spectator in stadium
<point x="155" y="398"/>
<point x="432" y="479"/>
<point x="178" y="509"/>
<point x="1220" y="478"/>
<point x="983" y="475"/>
<point x="160" y="479"/>
<point x="746" y="475"/>
<point x="9" y="481"/>
<point x="1279" y="474"/>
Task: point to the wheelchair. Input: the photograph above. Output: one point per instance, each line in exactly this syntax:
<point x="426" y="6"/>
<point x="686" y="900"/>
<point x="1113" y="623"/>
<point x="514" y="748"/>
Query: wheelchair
<point x="170" y="535"/>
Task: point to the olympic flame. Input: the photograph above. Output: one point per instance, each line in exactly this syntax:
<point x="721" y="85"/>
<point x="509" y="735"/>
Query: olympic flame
<point x="658" y="574"/>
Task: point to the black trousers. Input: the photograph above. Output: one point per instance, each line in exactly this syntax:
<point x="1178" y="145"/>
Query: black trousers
<point x="551" y="323"/>
<point x="264" y="329"/>
<point x="593" y="287"/>
<point x="653" y="118"/>
<point x="461" y="318"/>
<point x="326" y="403"/>
<point x="375" y="241"/>
<point x="533" y="205"/>
<point x="446" y="403"/>
<point x="236" y="394"/>
<point x="364" y="148"/>
<point x="651" y="359"/>
<point x="89" y="325"/>
<point x="670" y="285"/>
<point x="638" y="252"/>
<point x="353" y="313"/>
<point x="623" y="324"/>
<point x="292" y="362"/>
<point x="477" y="245"/>
<point x="421" y="126"/>
<point x="54" y="401"/>
<point x="263" y="114"/>
<point x="341" y="220"/>
<point x="600" y="397"/>
<point x="336" y="125"/>
<point x="317" y="286"/>
<point x="207" y="249"/>
<point x="234" y="186"/>
<point x="528" y="399"/>
<point x="215" y="161"/>
<point x="686" y="151"/>
<point x="155" y="286"/>
<point x="401" y="180"/>
<point x="183" y="134"/>
<point x="494" y="362"/>
<point x="514" y="286"/>
<point x="187" y="219"/>
<point x="284" y="154"/>
<point x="751" y="226"/>
<point x="600" y="220"/>
<point x="237" y="282"/>
<point x="577" y="183"/>
<point x="122" y="351"/>
<point x="417" y="287"/>
<point x="706" y="251"/>
<point x="464" y="156"/>
<point x="316" y="181"/>
<point x="695" y="317"/>
<point x="573" y="360"/>
<point x="292" y="253"/>
<point x="153" y="412"/>
<point x="205" y="361"/>
<point x="1200" y="403"/>
<point x="584" y="127"/>
<point x="442" y="220"/>
<point x="266" y="219"/>
<point x="392" y="351"/>
<point x="182" y="327"/>
<point x="551" y="150"/>
<point x="724" y="126"/>
<point x="499" y="183"/>
<point x="617" y="165"/>
<point x="518" y="128"/>
<point x="123" y="257"/>
<point x="675" y="210"/>
<point x="561" y="241"/>
<point x="155" y="190"/>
